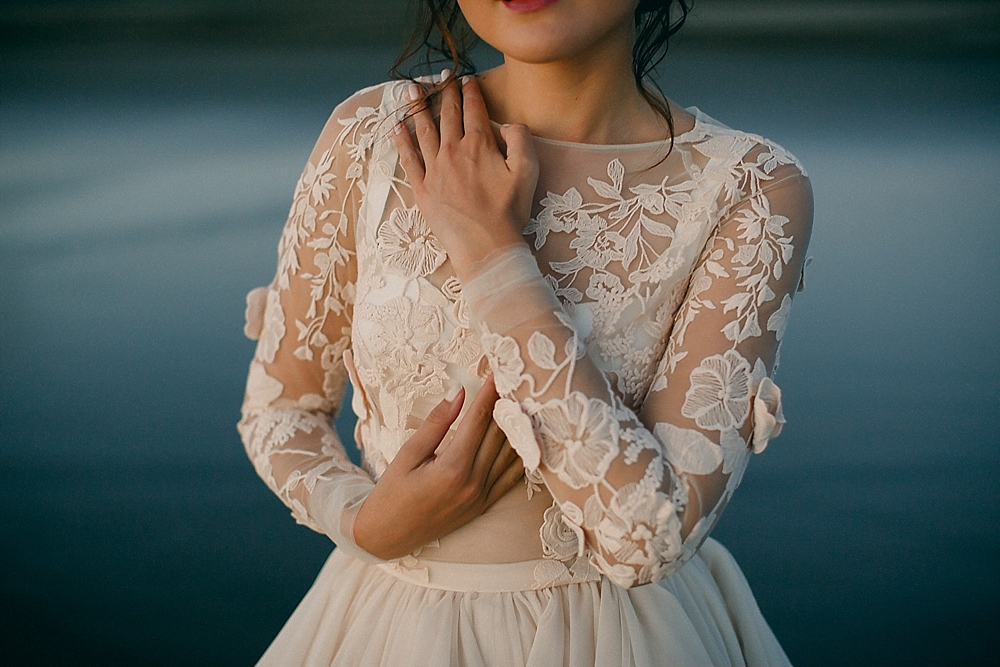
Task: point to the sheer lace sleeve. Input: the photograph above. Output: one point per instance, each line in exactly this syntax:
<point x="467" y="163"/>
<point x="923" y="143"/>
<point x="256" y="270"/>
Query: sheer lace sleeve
<point x="302" y="323"/>
<point x="642" y="489"/>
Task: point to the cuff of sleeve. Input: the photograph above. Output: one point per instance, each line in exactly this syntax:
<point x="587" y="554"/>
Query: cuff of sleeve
<point x="508" y="289"/>
<point x="333" y="508"/>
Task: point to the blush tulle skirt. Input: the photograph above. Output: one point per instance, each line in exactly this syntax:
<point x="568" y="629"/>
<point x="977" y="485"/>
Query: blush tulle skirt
<point x="360" y="615"/>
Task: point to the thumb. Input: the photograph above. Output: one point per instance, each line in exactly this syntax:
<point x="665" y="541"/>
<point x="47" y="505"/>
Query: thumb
<point x="421" y="445"/>
<point x="520" y="149"/>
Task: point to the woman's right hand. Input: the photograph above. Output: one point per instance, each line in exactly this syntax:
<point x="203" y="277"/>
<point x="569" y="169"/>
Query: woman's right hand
<point x="436" y="484"/>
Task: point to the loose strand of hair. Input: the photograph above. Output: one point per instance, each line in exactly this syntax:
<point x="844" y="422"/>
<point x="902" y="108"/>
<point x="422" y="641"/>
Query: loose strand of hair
<point x="654" y="27"/>
<point x="434" y="39"/>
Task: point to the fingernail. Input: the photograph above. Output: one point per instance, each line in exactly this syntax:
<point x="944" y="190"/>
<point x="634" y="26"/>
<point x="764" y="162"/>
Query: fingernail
<point x="414" y="92"/>
<point x="467" y="79"/>
<point x="445" y="73"/>
<point x="453" y="392"/>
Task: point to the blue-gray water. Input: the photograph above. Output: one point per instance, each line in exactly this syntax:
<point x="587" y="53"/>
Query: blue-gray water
<point x="142" y="194"/>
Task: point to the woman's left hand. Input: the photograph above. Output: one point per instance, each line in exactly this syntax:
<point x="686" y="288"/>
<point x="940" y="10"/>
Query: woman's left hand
<point x="475" y="199"/>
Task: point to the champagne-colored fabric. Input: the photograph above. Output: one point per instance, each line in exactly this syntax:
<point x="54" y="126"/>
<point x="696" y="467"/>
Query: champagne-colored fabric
<point x="633" y="338"/>
<point x="357" y="615"/>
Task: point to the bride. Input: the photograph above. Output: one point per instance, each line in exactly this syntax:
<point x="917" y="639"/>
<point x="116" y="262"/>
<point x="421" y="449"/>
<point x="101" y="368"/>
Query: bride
<point x="558" y="298"/>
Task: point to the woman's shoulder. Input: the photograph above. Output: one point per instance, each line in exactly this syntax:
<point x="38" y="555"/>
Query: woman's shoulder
<point x="715" y="139"/>
<point x="749" y="167"/>
<point x="356" y="123"/>
<point x="383" y="99"/>
<point x="367" y="99"/>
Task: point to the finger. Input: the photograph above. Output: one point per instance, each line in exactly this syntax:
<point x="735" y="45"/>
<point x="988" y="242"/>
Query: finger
<point x="461" y="451"/>
<point x="451" y="110"/>
<point x="475" y="115"/>
<point x="520" y="149"/>
<point x="422" y="444"/>
<point x="507" y="480"/>
<point x="504" y="458"/>
<point x="498" y="139"/>
<point x="488" y="451"/>
<point x="409" y="157"/>
<point x="423" y="124"/>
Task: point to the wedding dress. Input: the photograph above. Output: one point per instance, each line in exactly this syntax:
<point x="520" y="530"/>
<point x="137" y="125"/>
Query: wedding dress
<point x="632" y="341"/>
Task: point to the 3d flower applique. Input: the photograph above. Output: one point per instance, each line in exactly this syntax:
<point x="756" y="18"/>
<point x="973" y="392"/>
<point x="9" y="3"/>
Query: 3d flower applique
<point x="274" y="328"/>
<point x="579" y="438"/>
<point x="719" y="394"/>
<point x="768" y="417"/>
<point x="561" y="539"/>
<point x="254" y="314"/>
<point x="639" y="528"/>
<point x="517" y="427"/>
<point x="452" y="288"/>
<point x="405" y="243"/>
<point x="505" y="360"/>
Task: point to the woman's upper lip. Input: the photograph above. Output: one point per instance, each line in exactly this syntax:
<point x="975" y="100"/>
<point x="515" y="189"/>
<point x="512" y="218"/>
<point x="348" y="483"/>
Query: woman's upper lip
<point x="527" y="5"/>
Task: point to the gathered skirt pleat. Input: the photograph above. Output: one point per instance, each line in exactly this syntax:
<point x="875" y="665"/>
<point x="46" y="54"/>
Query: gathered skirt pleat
<point x="359" y="615"/>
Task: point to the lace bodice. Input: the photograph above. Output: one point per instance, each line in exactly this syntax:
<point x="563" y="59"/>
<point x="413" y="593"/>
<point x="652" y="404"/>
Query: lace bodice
<point x="632" y="339"/>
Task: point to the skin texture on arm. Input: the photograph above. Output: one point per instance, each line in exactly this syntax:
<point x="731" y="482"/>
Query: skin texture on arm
<point x="641" y="489"/>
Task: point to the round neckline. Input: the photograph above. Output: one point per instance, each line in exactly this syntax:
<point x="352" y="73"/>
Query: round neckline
<point x="698" y="121"/>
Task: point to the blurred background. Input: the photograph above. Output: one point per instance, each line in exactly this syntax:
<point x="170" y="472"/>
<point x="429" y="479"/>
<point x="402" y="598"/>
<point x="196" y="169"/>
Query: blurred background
<point x="148" y="152"/>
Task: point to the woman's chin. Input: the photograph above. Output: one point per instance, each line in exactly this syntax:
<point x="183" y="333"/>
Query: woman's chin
<point x="550" y="30"/>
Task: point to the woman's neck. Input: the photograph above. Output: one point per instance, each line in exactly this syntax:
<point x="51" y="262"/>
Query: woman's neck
<point x="592" y="99"/>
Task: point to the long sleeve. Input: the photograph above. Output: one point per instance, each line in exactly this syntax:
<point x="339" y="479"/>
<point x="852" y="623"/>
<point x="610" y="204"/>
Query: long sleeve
<point x="302" y="322"/>
<point x="639" y="489"/>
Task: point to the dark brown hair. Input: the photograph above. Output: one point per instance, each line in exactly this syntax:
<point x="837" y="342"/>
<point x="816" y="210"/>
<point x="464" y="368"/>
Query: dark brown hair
<point x="442" y="36"/>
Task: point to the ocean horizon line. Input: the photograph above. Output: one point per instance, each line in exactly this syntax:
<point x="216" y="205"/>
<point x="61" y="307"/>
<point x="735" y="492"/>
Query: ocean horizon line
<point x="956" y="26"/>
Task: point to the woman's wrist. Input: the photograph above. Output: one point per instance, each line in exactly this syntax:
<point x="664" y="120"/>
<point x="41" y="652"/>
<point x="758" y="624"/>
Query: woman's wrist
<point x="508" y="288"/>
<point x="382" y="537"/>
<point x="366" y="536"/>
<point x="470" y="259"/>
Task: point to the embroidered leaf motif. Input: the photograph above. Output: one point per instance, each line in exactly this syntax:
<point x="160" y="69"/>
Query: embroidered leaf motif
<point x="616" y="170"/>
<point x="542" y="351"/>
<point x="688" y="451"/>
<point x="658" y="228"/>
<point x="604" y="190"/>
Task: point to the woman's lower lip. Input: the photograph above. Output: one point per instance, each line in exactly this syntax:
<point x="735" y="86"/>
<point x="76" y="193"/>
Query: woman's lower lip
<point x="522" y="6"/>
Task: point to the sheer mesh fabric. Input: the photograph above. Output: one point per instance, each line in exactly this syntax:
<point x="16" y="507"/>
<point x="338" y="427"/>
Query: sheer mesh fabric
<point x="633" y="338"/>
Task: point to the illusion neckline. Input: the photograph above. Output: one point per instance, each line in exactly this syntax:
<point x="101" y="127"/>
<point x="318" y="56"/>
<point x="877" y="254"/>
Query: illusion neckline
<point x="682" y="137"/>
